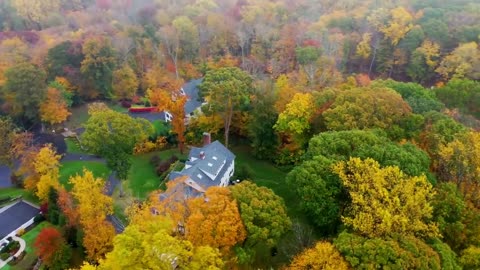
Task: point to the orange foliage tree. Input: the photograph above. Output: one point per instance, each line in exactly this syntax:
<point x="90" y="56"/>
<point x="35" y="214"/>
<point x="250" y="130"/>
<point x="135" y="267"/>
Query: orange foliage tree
<point x="54" y="109"/>
<point x="52" y="248"/>
<point x="173" y="102"/>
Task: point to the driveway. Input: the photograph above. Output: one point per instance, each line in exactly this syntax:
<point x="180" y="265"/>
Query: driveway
<point x="5" y="177"/>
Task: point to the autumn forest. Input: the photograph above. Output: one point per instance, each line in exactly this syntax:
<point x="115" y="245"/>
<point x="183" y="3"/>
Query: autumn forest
<point x="354" y="126"/>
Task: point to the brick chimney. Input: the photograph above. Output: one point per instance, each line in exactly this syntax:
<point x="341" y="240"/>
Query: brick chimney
<point x="206" y="138"/>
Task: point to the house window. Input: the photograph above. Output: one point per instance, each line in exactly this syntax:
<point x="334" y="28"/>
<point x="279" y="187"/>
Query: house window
<point x="210" y="164"/>
<point x="214" y="157"/>
<point x="199" y="176"/>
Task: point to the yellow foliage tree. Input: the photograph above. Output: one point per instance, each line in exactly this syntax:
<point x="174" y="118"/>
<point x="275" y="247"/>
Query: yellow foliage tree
<point x="385" y="200"/>
<point x="398" y="26"/>
<point x="295" y="119"/>
<point x="459" y="162"/>
<point x="36" y="11"/>
<point x="324" y="256"/>
<point x="463" y="62"/>
<point x="46" y="164"/>
<point x="93" y="208"/>
<point x="285" y="91"/>
<point x="363" y="48"/>
<point x="431" y="51"/>
<point x="148" y="244"/>
<point x="125" y="83"/>
<point x="54" y="109"/>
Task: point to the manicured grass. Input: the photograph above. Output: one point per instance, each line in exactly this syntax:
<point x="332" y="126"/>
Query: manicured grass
<point x="142" y="178"/>
<point x="73" y="146"/>
<point x="29" y="238"/>
<point x="117" y="107"/>
<point x="14" y="192"/>
<point x="78" y="117"/>
<point x="266" y="174"/>
<point x="72" y="168"/>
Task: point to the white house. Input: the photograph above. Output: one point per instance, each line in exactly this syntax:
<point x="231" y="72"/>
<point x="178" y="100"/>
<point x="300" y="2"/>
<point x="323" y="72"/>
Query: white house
<point x="207" y="166"/>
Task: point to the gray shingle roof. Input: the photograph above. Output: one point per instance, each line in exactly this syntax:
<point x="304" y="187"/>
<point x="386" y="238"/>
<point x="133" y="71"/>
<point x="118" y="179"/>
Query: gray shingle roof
<point x="15" y="216"/>
<point x="209" y="170"/>
<point x="191" y="90"/>
<point x="149" y="116"/>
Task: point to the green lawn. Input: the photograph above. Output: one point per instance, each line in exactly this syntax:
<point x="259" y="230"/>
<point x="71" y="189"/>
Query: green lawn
<point x="72" y="168"/>
<point x="14" y="192"/>
<point x="29" y="238"/>
<point x="78" y="117"/>
<point x="73" y="146"/>
<point x="266" y="174"/>
<point x="117" y="107"/>
<point x="142" y="178"/>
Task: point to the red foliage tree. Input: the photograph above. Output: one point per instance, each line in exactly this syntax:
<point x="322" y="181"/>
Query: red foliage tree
<point x="48" y="242"/>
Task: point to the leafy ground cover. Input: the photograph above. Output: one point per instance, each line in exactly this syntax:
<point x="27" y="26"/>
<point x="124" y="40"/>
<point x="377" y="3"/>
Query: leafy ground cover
<point x="72" y="168"/>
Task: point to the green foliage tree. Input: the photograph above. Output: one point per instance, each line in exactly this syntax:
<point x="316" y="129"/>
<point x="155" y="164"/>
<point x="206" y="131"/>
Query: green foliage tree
<point x="261" y="133"/>
<point x="364" y="108"/>
<point x="98" y="65"/>
<point x="308" y="57"/>
<point x="113" y="135"/>
<point x="418" y="98"/>
<point x="461" y="94"/>
<point x="60" y="58"/>
<point x="227" y="90"/>
<point x="448" y="257"/>
<point x="322" y="194"/>
<point x="53" y="213"/>
<point x="25" y="88"/>
<point x="395" y="252"/>
<point x="470" y="258"/>
<point x="7" y="133"/>
<point x="263" y="213"/>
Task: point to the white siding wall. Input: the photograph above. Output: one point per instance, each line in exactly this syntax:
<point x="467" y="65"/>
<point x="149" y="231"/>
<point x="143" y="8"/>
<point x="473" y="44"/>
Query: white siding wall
<point x="227" y="175"/>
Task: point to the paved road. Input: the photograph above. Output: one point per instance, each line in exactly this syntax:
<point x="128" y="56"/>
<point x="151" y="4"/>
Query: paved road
<point x="5" y="177"/>
<point x="82" y="157"/>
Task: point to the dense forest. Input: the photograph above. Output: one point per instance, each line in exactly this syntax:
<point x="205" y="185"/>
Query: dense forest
<point x="371" y="110"/>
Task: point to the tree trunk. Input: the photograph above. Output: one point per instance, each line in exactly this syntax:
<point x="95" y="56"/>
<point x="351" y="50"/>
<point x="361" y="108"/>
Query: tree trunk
<point x="228" y="121"/>
<point x="373" y="59"/>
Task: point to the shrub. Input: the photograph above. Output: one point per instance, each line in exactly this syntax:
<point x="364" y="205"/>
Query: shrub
<point x="5" y="199"/>
<point x="163" y="167"/>
<point x="4" y="256"/>
<point x="39" y="218"/>
<point x="244" y="172"/>
<point x="172" y="159"/>
<point x="16" y="180"/>
<point x="21" y="232"/>
<point x="126" y="104"/>
<point x="155" y="160"/>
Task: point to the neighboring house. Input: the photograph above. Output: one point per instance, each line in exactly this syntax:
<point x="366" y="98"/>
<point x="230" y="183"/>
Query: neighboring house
<point x="193" y="104"/>
<point x="207" y="166"/>
<point x="153" y="116"/>
<point x="16" y="216"/>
